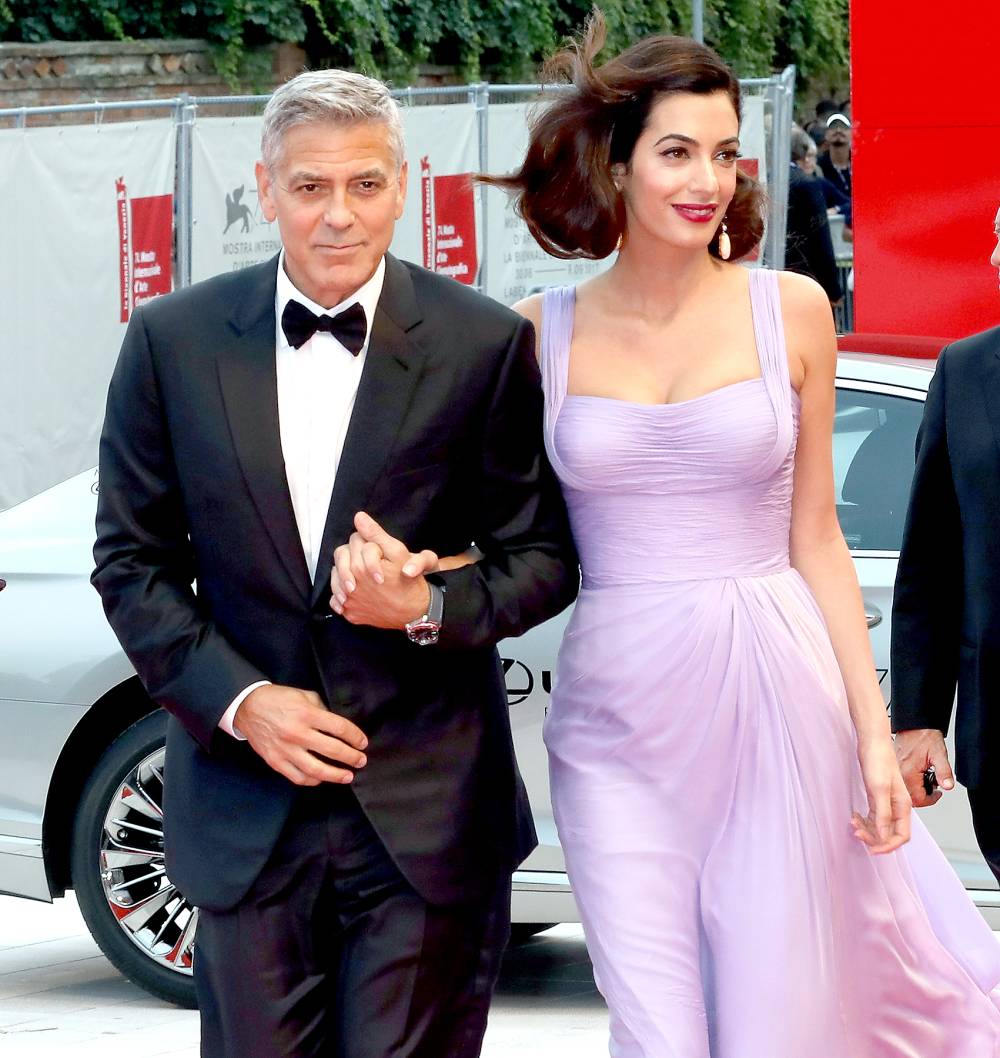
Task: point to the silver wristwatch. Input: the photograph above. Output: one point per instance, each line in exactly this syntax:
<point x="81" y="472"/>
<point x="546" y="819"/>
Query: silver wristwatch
<point x="426" y="629"/>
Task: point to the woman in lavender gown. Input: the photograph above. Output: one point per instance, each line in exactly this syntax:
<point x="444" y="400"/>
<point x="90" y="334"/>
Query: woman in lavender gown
<point x="736" y="830"/>
<point x="723" y="775"/>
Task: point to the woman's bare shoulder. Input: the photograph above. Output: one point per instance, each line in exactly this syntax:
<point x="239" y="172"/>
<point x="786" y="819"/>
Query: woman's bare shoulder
<point x="530" y="308"/>
<point x="809" y="328"/>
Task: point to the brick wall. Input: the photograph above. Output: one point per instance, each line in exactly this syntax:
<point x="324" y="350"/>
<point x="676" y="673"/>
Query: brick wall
<point x="60" y="72"/>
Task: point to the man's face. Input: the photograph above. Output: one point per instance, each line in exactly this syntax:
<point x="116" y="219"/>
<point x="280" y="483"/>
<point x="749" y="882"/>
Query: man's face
<point x="336" y="192"/>
<point x="838" y="135"/>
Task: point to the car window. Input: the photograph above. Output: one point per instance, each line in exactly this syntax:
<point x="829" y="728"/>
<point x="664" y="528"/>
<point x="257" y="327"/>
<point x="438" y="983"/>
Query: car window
<point x="873" y="439"/>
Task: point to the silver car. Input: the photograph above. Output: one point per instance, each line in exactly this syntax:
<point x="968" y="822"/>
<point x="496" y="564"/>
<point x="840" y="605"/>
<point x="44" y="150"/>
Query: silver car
<point x="81" y="760"/>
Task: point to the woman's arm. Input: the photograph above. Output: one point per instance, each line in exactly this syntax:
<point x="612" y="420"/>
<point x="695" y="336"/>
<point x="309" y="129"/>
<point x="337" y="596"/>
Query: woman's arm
<point x="820" y="555"/>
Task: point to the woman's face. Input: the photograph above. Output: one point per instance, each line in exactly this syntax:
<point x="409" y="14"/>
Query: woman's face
<point x="995" y="259"/>
<point x="682" y="174"/>
<point x="808" y="163"/>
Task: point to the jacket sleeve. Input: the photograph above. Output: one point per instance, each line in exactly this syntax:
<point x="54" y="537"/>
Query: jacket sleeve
<point x="529" y="570"/>
<point x="927" y="600"/>
<point x="144" y="560"/>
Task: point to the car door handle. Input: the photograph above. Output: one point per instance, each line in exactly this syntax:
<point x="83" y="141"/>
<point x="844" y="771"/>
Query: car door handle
<point x="873" y="615"/>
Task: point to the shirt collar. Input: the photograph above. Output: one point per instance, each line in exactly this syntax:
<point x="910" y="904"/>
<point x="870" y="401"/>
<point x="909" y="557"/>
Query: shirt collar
<point x="366" y="296"/>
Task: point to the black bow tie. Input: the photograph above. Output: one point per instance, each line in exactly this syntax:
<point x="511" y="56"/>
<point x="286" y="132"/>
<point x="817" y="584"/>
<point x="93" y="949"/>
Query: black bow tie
<point x="348" y="327"/>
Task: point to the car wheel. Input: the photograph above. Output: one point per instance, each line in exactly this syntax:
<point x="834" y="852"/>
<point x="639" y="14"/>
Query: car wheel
<point x="139" y="919"/>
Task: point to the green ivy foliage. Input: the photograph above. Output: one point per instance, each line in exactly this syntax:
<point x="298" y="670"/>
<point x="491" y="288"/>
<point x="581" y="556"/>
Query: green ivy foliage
<point x="494" y="39"/>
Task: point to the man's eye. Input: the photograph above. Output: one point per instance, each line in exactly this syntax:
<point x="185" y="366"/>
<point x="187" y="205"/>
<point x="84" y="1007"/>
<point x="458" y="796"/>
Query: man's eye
<point x="368" y="185"/>
<point x="309" y="188"/>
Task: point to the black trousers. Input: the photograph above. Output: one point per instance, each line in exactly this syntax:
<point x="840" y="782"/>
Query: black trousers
<point x="332" y="953"/>
<point x="985" y="803"/>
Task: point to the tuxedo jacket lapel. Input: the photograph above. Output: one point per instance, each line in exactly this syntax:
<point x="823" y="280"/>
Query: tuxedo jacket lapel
<point x="392" y="369"/>
<point x="248" y="377"/>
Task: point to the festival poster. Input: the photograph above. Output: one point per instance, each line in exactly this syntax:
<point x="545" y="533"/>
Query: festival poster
<point x="145" y="247"/>
<point x="449" y="216"/>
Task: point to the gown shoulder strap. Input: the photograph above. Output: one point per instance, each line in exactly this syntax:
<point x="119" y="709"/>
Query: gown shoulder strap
<point x="769" y="332"/>
<point x="558" y="304"/>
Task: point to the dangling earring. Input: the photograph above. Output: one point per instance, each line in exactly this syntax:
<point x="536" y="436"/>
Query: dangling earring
<point x="725" y="246"/>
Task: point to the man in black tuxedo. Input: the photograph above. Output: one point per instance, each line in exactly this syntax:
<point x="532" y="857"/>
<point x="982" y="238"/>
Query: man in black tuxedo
<point x="946" y="607"/>
<point x="342" y="801"/>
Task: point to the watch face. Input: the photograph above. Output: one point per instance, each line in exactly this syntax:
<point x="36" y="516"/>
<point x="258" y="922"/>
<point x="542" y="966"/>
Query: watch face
<point x="423" y="633"/>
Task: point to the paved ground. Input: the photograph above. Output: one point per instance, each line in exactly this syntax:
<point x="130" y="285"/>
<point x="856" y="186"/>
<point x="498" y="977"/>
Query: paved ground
<point x="59" y="996"/>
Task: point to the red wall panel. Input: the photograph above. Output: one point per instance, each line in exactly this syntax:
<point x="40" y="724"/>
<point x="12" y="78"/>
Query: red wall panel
<point x="925" y="83"/>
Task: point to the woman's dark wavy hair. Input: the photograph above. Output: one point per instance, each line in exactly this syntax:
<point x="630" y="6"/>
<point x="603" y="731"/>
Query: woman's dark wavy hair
<point x="564" y="189"/>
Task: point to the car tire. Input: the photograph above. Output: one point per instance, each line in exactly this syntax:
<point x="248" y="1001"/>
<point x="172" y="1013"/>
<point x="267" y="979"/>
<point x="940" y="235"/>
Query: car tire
<point x="139" y="919"/>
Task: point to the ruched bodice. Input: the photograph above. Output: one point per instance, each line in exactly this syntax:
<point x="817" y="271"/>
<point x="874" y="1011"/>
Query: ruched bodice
<point x="684" y="491"/>
<point x="702" y="758"/>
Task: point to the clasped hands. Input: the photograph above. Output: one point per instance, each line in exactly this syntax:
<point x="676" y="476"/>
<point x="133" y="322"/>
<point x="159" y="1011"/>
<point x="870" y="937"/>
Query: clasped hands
<point x="377" y="581"/>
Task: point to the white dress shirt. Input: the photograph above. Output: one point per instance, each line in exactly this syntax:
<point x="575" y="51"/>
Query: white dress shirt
<point x="317" y="387"/>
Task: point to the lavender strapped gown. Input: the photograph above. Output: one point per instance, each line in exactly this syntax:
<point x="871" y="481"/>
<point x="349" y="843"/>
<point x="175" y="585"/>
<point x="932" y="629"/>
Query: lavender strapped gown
<point x="703" y="760"/>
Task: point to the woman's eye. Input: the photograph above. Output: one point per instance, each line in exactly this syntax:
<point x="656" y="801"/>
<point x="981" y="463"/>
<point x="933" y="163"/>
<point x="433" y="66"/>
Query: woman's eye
<point x="729" y="157"/>
<point x="675" y="152"/>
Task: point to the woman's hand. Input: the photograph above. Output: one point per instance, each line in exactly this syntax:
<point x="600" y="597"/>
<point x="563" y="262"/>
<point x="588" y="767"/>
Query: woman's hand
<point x="887" y="825"/>
<point x="364" y="554"/>
<point x="369" y="547"/>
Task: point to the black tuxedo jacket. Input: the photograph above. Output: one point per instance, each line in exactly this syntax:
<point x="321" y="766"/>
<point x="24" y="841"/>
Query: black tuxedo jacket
<point x="946" y="607"/>
<point x="203" y="578"/>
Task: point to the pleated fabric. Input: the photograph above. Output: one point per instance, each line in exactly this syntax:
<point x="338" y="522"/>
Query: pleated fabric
<point x="702" y="758"/>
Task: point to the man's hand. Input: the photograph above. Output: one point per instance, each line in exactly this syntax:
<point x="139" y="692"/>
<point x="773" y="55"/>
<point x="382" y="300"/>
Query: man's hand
<point x="376" y="579"/>
<point x="299" y="737"/>
<point x="916" y="751"/>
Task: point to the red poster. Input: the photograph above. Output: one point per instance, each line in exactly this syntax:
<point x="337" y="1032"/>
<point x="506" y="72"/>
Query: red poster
<point x="145" y="247"/>
<point x="427" y="210"/>
<point x="152" y="247"/>
<point x="449" y="217"/>
<point x="121" y="202"/>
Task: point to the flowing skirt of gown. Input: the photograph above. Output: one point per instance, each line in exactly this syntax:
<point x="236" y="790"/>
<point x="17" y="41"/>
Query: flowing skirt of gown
<point x="703" y="761"/>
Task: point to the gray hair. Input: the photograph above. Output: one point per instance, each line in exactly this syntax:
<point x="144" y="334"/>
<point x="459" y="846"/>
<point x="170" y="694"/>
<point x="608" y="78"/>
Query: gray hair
<point x="334" y="97"/>
<point x="802" y="143"/>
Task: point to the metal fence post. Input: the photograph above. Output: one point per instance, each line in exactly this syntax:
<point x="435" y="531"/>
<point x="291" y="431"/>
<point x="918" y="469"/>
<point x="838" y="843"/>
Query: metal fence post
<point x="184" y="118"/>
<point x="480" y="95"/>
<point x="698" y="20"/>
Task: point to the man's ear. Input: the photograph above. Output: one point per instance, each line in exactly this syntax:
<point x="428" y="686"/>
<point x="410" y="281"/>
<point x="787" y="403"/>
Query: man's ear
<point x="265" y="191"/>
<point x="404" y="173"/>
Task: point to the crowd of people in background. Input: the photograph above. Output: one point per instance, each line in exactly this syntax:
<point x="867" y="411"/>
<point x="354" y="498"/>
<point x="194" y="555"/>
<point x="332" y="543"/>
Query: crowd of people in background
<point x="819" y="191"/>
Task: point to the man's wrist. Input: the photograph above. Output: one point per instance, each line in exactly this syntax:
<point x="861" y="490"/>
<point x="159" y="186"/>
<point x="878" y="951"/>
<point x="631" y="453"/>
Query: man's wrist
<point x="425" y="629"/>
<point x="425" y="610"/>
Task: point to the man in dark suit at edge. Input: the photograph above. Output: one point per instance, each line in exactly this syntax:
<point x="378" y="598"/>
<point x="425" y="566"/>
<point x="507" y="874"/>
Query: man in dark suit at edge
<point x="342" y="802"/>
<point x="946" y="606"/>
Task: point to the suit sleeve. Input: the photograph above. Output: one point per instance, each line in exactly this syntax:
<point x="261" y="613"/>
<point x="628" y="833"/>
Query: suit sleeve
<point x="529" y="571"/>
<point x="927" y="600"/>
<point x="144" y="561"/>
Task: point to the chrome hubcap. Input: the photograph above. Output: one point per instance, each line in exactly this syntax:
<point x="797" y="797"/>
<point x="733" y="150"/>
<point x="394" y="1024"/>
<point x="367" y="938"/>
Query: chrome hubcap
<point x="146" y="904"/>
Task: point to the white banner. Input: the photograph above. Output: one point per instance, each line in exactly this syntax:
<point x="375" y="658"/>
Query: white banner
<point x="229" y="230"/>
<point x="438" y="224"/>
<point x="88" y="236"/>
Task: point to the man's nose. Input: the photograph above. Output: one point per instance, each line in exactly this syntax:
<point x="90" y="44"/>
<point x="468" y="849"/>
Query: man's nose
<point x="338" y="213"/>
